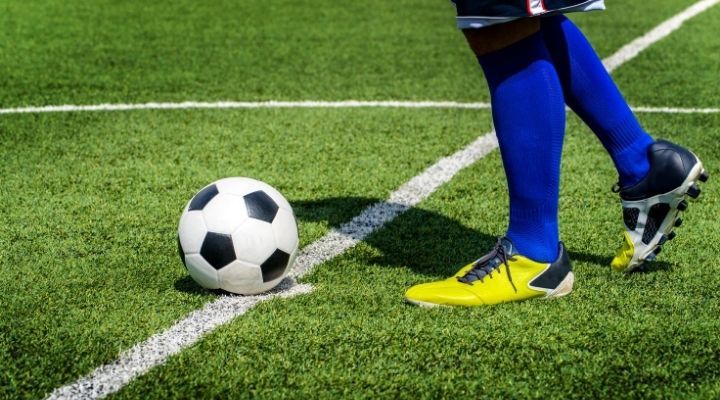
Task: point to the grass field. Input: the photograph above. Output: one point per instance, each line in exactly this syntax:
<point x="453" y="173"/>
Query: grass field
<point x="90" y="203"/>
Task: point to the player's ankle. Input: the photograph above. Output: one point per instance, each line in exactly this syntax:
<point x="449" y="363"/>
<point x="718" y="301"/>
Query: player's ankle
<point x="632" y="163"/>
<point x="538" y="249"/>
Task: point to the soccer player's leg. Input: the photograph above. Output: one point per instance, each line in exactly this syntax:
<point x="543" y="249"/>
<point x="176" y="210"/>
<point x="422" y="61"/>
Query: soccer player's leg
<point x="653" y="181"/>
<point x="529" y="117"/>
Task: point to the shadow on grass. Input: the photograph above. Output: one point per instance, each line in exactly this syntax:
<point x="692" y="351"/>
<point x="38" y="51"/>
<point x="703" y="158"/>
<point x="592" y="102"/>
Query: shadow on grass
<point x="595" y="259"/>
<point x="653" y="267"/>
<point x="187" y="284"/>
<point x="603" y="261"/>
<point x="427" y="242"/>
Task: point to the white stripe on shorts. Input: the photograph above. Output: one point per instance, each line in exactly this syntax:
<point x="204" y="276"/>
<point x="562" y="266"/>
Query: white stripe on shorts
<point x="474" y="22"/>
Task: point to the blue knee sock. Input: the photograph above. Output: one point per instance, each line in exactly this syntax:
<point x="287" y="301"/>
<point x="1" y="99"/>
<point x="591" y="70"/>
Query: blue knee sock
<point x="529" y="116"/>
<point x="591" y="93"/>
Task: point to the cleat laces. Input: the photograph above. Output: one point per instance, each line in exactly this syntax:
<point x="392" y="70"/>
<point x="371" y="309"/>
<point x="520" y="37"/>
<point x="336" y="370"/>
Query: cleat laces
<point x="485" y="266"/>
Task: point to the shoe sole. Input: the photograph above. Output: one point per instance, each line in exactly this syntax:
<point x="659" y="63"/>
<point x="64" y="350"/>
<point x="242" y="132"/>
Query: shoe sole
<point x="673" y="198"/>
<point x="424" y="304"/>
<point x="562" y="289"/>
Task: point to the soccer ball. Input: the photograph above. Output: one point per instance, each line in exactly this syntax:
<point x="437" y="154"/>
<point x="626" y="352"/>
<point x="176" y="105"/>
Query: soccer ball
<point x="239" y="235"/>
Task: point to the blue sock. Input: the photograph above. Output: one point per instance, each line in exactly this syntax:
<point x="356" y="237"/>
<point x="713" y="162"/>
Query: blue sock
<point x="591" y="93"/>
<point x="529" y="116"/>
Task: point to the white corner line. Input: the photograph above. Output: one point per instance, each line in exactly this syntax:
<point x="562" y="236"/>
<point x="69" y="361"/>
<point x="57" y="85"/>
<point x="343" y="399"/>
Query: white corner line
<point x="632" y="49"/>
<point x="154" y="351"/>
<point x="142" y="357"/>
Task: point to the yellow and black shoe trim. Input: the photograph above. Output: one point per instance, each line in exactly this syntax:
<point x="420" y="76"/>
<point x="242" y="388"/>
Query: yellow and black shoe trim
<point x="651" y="208"/>
<point x="500" y="276"/>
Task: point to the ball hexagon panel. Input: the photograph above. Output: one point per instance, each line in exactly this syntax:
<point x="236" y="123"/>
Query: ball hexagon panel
<point x="202" y="272"/>
<point x="241" y="277"/>
<point x="191" y="231"/>
<point x="225" y="213"/>
<point x="274" y="266"/>
<point x="239" y="186"/>
<point x="260" y="206"/>
<point x="218" y="250"/>
<point x="203" y="197"/>
<point x="285" y="230"/>
<point x="254" y="241"/>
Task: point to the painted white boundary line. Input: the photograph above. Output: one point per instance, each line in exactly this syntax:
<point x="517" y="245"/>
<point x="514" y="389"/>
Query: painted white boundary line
<point x="626" y="53"/>
<point x="142" y="357"/>
<point x="632" y="49"/>
<point x="676" y="110"/>
<point x="408" y="195"/>
<point x="225" y="105"/>
<point x="109" y="378"/>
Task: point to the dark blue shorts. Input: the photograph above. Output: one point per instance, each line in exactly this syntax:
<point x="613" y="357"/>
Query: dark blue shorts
<point x="481" y="13"/>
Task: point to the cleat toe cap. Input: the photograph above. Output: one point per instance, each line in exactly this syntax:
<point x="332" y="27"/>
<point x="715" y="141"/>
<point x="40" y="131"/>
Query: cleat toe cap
<point x="440" y="293"/>
<point x="624" y="255"/>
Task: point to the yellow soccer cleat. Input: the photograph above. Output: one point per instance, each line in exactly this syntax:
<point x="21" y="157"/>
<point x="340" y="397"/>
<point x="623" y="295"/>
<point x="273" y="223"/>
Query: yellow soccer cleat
<point x="651" y="207"/>
<point x="500" y="276"/>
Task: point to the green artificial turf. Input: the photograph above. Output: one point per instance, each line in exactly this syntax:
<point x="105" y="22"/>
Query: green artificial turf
<point x="646" y="335"/>
<point x="80" y="52"/>
<point x="681" y="70"/>
<point x="89" y="205"/>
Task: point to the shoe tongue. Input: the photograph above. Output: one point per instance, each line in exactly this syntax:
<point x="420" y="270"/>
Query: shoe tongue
<point x="507" y="246"/>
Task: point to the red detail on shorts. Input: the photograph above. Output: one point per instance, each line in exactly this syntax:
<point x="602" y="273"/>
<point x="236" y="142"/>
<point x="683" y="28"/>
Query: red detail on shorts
<point x="528" y="7"/>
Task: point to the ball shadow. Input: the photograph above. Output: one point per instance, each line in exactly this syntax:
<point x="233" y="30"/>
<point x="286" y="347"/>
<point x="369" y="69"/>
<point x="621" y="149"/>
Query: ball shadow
<point x="187" y="284"/>
<point x="427" y="242"/>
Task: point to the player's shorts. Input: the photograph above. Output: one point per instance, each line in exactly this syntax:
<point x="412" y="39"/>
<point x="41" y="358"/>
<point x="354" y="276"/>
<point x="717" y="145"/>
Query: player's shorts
<point x="482" y="13"/>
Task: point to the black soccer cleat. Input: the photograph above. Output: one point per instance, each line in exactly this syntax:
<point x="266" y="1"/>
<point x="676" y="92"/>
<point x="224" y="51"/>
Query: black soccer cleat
<point x="651" y="207"/>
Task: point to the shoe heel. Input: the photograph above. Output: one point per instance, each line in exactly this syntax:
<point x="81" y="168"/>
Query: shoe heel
<point x="564" y="288"/>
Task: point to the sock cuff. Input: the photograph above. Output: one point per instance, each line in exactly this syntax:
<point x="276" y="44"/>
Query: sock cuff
<point x="627" y="133"/>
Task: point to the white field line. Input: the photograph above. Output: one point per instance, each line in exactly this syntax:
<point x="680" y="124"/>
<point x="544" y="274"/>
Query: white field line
<point x="142" y="357"/>
<point x="408" y="195"/>
<point x="632" y="49"/>
<point x="224" y="105"/>
<point x="620" y="57"/>
<point x="676" y="110"/>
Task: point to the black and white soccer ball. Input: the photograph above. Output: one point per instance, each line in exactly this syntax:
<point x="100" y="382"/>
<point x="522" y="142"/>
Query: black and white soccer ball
<point x="239" y="235"/>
